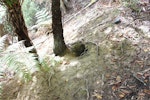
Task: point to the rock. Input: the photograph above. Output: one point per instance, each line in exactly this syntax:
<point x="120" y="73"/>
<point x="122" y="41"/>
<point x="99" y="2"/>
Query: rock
<point x="117" y="21"/>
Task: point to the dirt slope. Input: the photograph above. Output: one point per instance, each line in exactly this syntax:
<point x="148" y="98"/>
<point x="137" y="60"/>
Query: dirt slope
<point x="115" y="67"/>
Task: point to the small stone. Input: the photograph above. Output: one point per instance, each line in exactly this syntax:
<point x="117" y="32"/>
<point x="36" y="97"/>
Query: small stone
<point x="117" y="21"/>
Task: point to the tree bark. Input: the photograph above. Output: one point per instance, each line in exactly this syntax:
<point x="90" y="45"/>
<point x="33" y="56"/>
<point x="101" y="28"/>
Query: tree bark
<point x="17" y="20"/>
<point x="59" y="44"/>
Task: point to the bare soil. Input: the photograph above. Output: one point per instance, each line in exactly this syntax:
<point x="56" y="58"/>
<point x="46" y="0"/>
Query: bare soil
<point x="116" y="65"/>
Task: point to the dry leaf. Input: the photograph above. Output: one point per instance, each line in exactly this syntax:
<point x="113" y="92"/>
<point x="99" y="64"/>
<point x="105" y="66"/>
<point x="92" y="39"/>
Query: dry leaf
<point x="98" y="96"/>
<point x="141" y="94"/>
<point x="147" y="91"/>
<point x="146" y="75"/>
<point x="125" y="91"/>
<point x="107" y="75"/>
<point x="66" y="62"/>
<point x="118" y="79"/>
<point x="114" y="88"/>
<point x="122" y="95"/>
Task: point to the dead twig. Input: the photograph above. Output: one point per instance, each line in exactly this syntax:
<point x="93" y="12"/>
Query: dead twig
<point x="87" y="89"/>
<point x="138" y="79"/>
<point x="76" y="92"/>
<point x="146" y="70"/>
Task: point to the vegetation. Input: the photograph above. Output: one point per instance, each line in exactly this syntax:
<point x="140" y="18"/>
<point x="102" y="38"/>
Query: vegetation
<point x="29" y="9"/>
<point x="10" y="58"/>
<point x="87" y="56"/>
<point x="133" y="4"/>
<point x="17" y="20"/>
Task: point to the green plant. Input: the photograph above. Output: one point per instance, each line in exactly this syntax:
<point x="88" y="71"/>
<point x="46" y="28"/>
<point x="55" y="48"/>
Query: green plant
<point x="29" y="9"/>
<point x="4" y="19"/>
<point x="132" y="4"/>
<point x="2" y="13"/>
<point x="24" y="67"/>
<point x="49" y="62"/>
<point x="18" y="59"/>
<point x="8" y="28"/>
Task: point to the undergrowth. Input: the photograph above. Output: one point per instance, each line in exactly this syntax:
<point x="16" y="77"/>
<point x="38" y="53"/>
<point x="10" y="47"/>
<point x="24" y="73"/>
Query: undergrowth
<point x="17" y="61"/>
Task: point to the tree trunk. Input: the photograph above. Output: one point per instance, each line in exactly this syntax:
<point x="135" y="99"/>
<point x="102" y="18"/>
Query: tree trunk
<point x="17" y="20"/>
<point x="59" y="44"/>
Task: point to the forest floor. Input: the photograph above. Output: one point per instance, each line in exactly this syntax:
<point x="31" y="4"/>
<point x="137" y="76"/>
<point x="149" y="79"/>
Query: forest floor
<point x="116" y="65"/>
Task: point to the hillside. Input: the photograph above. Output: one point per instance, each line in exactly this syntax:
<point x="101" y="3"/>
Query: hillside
<point x="114" y="66"/>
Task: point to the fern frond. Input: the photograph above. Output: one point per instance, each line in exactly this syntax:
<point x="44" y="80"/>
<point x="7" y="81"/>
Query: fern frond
<point x="4" y="43"/>
<point x="49" y="62"/>
<point x="18" y="59"/>
<point x="23" y="64"/>
<point x="42" y="15"/>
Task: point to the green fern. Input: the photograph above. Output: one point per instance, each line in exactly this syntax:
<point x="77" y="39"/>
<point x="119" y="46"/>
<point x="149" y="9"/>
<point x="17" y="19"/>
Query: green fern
<point x="49" y="62"/>
<point x="29" y="9"/>
<point x="22" y="63"/>
<point x="3" y="43"/>
<point x="18" y="59"/>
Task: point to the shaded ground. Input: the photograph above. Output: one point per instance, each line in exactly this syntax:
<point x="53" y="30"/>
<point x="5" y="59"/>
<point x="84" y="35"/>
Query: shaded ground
<point x="115" y="67"/>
